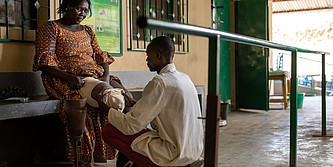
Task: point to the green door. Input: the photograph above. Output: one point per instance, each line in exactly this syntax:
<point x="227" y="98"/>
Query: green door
<point x="221" y="21"/>
<point x="251" y="19"/>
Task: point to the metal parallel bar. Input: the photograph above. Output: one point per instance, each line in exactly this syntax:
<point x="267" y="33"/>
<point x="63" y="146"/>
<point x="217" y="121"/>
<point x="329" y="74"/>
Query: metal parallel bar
<point x="293" y="110"/>
<point x="227" y="36"/>
<point x="212" y="87"/>
<point x="213" y="107"/>
<point x="323" y="96"/>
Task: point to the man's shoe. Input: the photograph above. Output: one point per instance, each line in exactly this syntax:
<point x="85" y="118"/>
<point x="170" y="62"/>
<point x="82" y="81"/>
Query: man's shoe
<point x="198" y="163"/>
<point x="122" y="161"/>
<point x="222" y="123"/>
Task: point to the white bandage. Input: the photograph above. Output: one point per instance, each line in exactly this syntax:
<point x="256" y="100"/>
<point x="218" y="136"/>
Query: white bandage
<point x="114" y="98"/>
<point x="85" y="91"/>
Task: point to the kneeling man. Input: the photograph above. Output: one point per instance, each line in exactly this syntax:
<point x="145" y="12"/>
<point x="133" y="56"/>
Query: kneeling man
<point x="169" y="107"/>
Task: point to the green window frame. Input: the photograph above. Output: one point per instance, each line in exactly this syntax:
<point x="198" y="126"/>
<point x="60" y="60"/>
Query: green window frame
<point x="17" y="19"/>
<point x="171" y="10"/>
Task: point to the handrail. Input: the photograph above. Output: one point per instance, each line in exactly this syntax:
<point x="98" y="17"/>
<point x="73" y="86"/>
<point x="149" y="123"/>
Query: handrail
<point x="211" y="142"/>
<point x="202" y="31"/>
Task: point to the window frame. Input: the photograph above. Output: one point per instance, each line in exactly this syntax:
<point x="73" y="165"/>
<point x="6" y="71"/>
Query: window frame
<point x="140" y="44"/>
<point x="20" y="33"/>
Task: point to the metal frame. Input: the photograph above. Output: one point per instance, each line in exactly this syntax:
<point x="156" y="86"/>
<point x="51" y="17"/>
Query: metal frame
<point x="211" y="138"/>
<point x="182" y="46"/>
<point x="7" y="26"/>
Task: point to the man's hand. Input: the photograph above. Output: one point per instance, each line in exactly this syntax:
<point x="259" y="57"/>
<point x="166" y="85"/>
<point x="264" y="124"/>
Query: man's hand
<point x="101" y="104"/>
<point x="106" y="74"/>
<point x="129" y="101"/>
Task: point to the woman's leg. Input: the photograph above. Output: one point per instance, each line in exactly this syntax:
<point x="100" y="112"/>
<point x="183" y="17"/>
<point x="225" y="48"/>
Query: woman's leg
<point x="118" y="140"/>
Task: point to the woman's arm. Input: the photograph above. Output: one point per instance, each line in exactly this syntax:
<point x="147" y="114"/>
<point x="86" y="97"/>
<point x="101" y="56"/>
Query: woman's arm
<point x="73" y="81"/>
<point x="106" y="75"/>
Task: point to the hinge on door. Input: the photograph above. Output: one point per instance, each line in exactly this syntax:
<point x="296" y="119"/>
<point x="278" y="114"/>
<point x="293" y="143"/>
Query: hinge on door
<point x="217" y="7"/>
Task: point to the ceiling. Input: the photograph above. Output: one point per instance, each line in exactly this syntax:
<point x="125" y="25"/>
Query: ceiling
<point x="284" y="6"/>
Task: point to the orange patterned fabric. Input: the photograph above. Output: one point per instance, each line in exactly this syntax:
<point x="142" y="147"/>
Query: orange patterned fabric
<point x="77" y="53"/>
<point x="74" y="52"/>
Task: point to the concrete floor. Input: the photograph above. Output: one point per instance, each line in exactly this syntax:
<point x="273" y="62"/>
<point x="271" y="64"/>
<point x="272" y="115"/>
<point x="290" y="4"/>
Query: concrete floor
<point x="260" y="138"/>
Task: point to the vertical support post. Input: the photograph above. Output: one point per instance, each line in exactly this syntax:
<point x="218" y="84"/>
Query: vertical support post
<point x="293" y="110"/>
<point x="323" y="96"/>
<point x="213" y="104"/>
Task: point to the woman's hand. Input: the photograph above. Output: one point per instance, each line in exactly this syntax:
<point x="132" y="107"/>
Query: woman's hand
<point x="74" y="82"/>
<point x="106" y="74"/>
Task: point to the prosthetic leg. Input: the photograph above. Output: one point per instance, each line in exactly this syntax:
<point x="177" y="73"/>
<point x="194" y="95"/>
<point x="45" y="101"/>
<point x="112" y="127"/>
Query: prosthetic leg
<point x="76" y="111"/>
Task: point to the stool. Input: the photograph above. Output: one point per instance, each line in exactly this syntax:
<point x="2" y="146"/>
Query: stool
<point x="284" y="77"/>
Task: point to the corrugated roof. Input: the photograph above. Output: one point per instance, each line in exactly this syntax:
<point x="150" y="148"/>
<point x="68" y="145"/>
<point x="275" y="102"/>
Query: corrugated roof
<point x="283" y="6"/>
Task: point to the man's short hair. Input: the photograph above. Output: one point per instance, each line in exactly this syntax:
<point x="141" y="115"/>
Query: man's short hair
<point x="164" y="44"/>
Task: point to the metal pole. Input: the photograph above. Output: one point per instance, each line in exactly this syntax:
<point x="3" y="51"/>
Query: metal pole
<point x="323" y="96"/>
<point x="213" y="104"/>
<point x="293" y="110"/>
